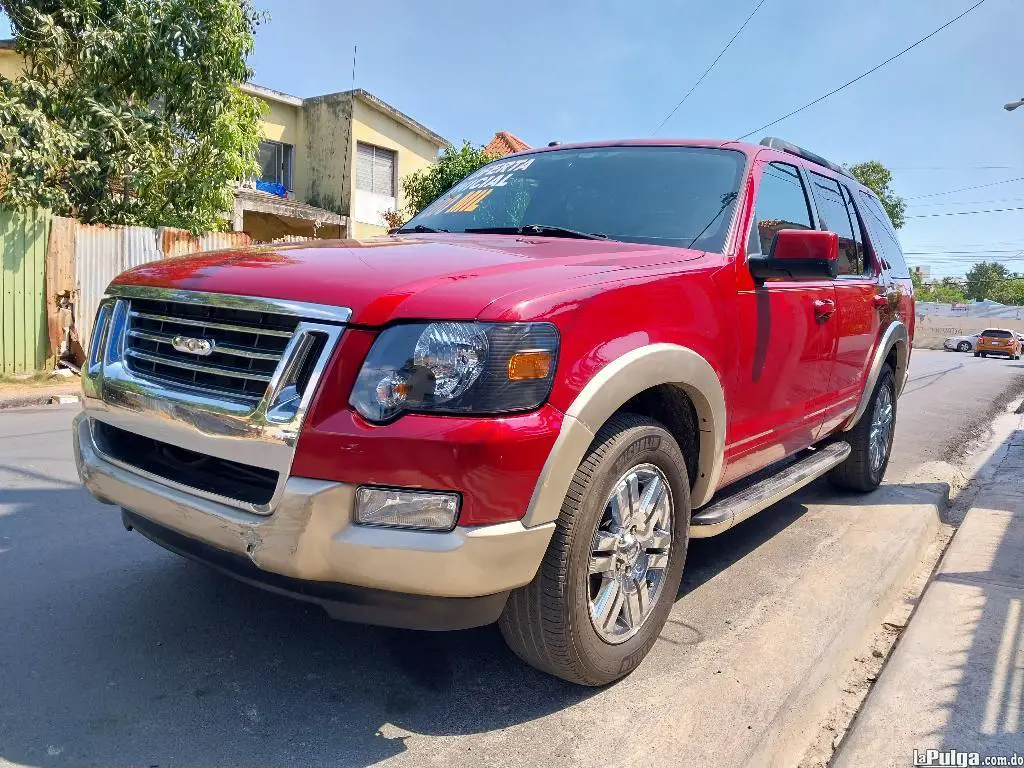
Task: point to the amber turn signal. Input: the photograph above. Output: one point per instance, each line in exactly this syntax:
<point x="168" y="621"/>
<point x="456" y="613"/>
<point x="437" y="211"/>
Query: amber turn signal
<point x="532" y="364"/>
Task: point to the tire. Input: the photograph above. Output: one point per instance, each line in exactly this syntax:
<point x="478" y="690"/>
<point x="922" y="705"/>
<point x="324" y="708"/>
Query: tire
<point x="548" y="623"/>
<point x="964" y="346"/>
<point x="858" y="472"/>
<point x="977" y="354"/>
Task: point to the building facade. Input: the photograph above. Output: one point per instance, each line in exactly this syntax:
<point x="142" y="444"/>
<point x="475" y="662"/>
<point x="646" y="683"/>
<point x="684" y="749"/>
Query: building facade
<point x="330" y="166"/>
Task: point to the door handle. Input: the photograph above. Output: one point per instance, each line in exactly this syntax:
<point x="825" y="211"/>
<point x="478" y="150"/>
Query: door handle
<point x="881" y="301"/>
<point x="824" y="308"/>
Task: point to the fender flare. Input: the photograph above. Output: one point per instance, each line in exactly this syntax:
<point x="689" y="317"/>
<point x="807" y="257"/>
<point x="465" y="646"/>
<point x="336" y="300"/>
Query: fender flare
<point x="624" y="377"/>
<point x="895" y="335"/>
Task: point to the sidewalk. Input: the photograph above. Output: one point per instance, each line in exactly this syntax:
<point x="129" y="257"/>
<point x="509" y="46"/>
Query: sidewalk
<point x="13" y="395"/>
<point x="956" y="678"/>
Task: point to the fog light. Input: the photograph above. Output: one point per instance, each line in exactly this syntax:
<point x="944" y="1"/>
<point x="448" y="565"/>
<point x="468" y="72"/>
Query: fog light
<point x="420" y="510"/>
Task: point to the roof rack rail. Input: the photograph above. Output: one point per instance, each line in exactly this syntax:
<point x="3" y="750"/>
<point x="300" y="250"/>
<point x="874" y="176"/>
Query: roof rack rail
<point x="784" y="146"/>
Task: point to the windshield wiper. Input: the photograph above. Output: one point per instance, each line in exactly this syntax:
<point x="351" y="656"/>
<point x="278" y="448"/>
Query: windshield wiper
<point x="418" y="228"/>
<point x="537" y="229"/>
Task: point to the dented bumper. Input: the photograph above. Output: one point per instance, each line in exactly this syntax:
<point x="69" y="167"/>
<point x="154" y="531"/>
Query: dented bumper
<point x="311" y="543"/>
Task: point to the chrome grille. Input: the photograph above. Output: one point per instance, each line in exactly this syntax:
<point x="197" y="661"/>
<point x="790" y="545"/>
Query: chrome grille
<point x="248" y="345"/>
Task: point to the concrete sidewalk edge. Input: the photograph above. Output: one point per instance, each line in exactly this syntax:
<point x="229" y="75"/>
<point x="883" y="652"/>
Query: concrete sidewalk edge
<point x="937" y="689"/>
<point x="43" y="396"/>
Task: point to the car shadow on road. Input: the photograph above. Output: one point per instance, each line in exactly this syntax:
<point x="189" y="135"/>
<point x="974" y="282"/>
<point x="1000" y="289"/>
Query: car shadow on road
<point x="117" y="653"/>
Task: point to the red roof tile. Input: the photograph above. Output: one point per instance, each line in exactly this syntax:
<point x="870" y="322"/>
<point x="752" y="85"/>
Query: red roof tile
<point x="505" y="143"/>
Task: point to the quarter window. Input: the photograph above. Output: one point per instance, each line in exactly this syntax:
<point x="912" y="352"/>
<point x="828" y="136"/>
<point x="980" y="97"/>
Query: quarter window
<point x="883" y="236"/>
<point x="781" y="204"/>
<point x="375" y="169"/>
<point x="835" y="217"/>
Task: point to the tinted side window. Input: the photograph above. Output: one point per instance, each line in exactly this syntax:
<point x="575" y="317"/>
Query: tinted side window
<point x="858" y="228"/>
<point x="781" y="204"/>
<point x="883" y="236"/>
<point x="835" y="217"/>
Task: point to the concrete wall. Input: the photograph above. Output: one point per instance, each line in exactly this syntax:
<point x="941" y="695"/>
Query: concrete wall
<point x="931" y="331"/>
<point x="11" y="63"/>
<point x="328" y="152"/>
<point x="414" y="152"/>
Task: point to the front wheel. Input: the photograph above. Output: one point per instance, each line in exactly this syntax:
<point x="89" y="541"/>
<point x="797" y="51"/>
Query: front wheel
<point x="870" y="439"/>
<point x="612" y="571"/>
<point x="964" y="346"/>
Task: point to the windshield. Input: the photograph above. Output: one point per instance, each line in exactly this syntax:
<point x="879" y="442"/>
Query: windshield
<point x="676" y="196"/>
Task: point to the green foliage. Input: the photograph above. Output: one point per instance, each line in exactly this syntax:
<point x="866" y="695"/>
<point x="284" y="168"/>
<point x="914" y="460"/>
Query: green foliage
<point x="949" y="291"/>
<point x="129" y="111"/>
<point x="984" y="280"/>
<point x="878" y="179"/>
<point x="425" y="186"/>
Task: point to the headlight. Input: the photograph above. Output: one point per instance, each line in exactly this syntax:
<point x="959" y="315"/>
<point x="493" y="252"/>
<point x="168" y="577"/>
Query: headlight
<point x="480" y="368"/>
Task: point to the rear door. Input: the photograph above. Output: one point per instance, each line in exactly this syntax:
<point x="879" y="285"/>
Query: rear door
<point x="785" y="346"/>
<point x="860" y="296"/>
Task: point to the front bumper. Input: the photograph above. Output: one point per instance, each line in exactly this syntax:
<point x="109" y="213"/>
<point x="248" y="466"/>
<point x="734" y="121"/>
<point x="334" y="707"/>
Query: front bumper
<point x="310" y="542"/>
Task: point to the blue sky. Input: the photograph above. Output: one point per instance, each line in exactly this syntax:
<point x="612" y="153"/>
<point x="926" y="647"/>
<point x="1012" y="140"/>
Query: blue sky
<point x="573" y="71"/>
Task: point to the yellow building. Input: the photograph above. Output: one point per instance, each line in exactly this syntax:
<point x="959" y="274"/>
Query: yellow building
<point x="342" y="153"/>
<point x="330" y="166"/>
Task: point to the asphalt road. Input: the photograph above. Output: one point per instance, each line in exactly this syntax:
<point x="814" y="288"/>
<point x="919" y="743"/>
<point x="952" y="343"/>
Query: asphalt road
<point x="114" y="652"/>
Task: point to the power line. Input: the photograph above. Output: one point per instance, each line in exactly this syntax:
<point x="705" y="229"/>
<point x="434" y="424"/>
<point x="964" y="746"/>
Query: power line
<point x="968" y="202"/>
<point x="708" y="70"/>
<point x="848" y="83"/>
<point x="940" y="254"/>
<point x="964" y="189"/>
<point x="908" y="168"/>
<point x="962" y="213"/>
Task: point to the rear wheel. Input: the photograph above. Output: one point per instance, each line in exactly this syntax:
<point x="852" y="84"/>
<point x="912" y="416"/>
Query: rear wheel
<point x="870" y="440"/>
<point x="964" y="346"/>
<point x="612" y="571"/>
<point x="977" y="354"/>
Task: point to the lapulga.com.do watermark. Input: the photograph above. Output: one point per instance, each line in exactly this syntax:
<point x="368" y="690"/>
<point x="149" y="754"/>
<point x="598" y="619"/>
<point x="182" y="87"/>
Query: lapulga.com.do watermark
<point x="954" y="757"/>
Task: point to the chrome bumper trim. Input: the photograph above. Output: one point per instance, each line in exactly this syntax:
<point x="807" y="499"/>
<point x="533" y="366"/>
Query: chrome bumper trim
<point x="311" y="535"/>
<point x="258" y="431"/>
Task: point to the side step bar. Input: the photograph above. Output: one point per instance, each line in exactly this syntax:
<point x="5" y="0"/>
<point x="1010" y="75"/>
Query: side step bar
<point x="720" y="516"/>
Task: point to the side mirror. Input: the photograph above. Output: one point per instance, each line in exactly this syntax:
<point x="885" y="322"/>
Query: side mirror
<point x="798" y="254"/>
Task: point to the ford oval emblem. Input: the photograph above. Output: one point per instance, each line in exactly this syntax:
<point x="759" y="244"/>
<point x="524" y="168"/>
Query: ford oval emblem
<point x="201" y="347"/>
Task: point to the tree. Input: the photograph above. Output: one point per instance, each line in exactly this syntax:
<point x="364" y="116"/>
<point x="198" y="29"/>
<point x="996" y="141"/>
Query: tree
<point x="425" y="186"/>
<point x="984" y="279"/>
<point x="130" y="111"/>
<point x="949" y="291"/>
<point x="878" y="179"/>
<point x="1009" y="291"/>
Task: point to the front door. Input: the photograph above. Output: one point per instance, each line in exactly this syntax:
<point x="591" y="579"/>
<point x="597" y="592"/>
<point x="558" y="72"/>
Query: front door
<point x="786" y="345"/>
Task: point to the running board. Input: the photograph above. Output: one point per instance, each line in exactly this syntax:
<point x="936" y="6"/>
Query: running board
<point x="720" y="516"/>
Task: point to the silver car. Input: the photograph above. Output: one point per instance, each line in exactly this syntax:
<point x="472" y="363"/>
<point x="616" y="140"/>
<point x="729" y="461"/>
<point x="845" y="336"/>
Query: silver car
<point x="962" y="343"/>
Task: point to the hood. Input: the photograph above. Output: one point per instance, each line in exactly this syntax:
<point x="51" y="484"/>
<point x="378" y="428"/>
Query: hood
<point x="431" y="276"/>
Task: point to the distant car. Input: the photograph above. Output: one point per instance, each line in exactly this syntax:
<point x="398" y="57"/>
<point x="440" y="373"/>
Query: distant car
<point x="998" y="341"/>
<point x="962" y="343"/>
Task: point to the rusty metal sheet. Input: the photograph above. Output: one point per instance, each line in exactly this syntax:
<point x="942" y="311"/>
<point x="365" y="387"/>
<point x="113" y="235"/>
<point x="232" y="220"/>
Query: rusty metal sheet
<point x="219" y="241"/>
<point x="60" y="280"/>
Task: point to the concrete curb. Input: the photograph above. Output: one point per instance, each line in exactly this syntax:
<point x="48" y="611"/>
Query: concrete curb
<point x="946" y="684"/>
<point x="44" y="397"/>
<point x="786" y="672"/>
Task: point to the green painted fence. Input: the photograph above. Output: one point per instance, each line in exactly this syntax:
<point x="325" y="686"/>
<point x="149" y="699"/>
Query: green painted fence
<point x="24" y="340"/>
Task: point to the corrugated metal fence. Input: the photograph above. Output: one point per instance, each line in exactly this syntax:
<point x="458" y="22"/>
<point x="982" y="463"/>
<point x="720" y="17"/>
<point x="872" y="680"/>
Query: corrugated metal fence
<point x="24" y="342"/>
<point x="55" y="269"/>
<point x="101" y="253"/>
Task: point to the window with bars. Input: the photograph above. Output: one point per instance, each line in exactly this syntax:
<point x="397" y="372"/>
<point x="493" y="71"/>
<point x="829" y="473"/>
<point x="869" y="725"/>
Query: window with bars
<point x="375" y="169"/>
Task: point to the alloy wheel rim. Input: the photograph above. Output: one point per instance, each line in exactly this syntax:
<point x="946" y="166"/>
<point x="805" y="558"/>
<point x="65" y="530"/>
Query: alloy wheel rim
<point x="881" y="429"/>
<point x="629" y="553"/>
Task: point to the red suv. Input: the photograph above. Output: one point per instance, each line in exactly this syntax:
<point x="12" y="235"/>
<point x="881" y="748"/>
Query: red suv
<point x="521" y="406"/>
